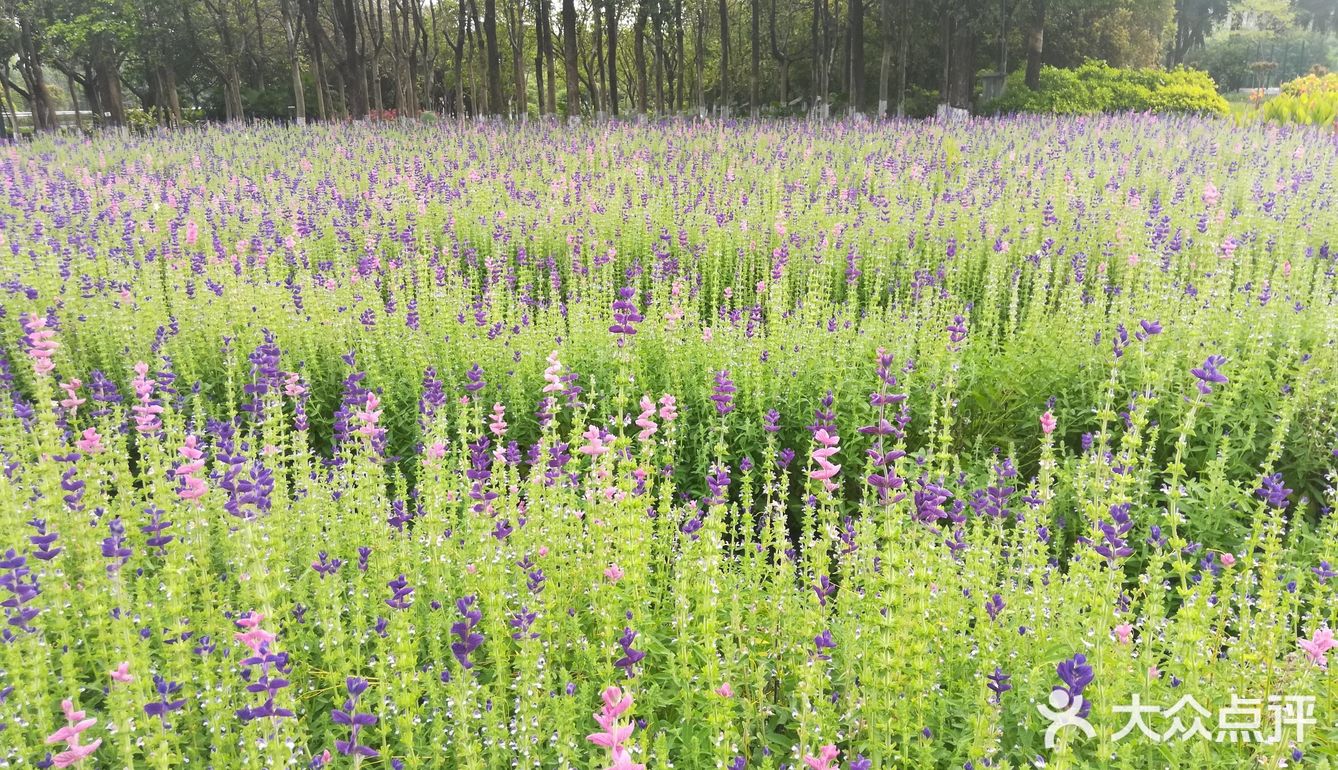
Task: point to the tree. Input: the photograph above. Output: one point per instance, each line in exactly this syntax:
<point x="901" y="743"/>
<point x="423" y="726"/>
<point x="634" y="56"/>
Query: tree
<point x="726" y="94"/>
<point x="569" y="57"/>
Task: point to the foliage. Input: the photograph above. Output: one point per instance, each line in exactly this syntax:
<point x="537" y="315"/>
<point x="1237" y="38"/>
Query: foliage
<point x="1228" y="58"/>
<point x="1097" y="87"/>
<point x="1310" y="100"/>
<point x="412" y="439"/>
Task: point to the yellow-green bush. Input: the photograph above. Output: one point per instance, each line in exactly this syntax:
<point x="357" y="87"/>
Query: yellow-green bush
<point x="1097" y="87"/>
<point x="1310" y="100"/>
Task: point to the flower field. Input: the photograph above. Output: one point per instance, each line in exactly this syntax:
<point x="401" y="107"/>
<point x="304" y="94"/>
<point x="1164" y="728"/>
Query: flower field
<point x="679" y="445"/>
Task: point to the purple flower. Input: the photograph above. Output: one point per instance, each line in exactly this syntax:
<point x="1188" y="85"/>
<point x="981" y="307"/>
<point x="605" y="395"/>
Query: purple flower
<point x="401" y="592"/>
<point x="164" y="705"/>
<point x="154" y="529"/>
<point x="475" y="379"/>
<point x="350" y="717"/>
<point x="823" y="588"/>
<point x="823" y="642"/>
<point x="723" y="395"/>
<point x="1273" y="492"/>
<point x="114" y="546"/>
<point x="1113" y="545"/>
<point x="1208" y="374"/>
<point x="468" y="639"/>
<point x="998" y="683"/>
<point x="43" y="541"/>
<point x="994" y="606"/>
<point x="957" y="330"/>
<point x="625" y="315"/>
<point x="1076" y="675"/>
<point x="1324" y="572"/>
<point x="631" y="656"/>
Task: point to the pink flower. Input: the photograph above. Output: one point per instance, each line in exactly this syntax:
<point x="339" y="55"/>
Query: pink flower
<point x="69" y="735"/>
<point x="192" y="486"/>
<point x="614" y="573"/>
<point x="91" y="443"/>
<point x="553" y="374"/>
<point x="1210" y="195"/>
<point x="122" y="673"/>
<point x="725" y="691"/>
<point x="498" y="424"/>
<point x="614" y="734"/>
<point x="369" y="416"/>
<point x="436" y="450"/>
<point x="1048" y="423"/>
<point x="192" y="233"/>
<point x="40" y="343"/>
<point x="72" y="402"/>
<point x="1317" y="645"/>
<point x="543" y="550"/>
<point x="594" y="443"/>
<point x="623" y="761"/>
<point x="646" y="420"/>
<point x="292" y="386"/>
<point x="146" y="412"/>
<point x="255" y="638"/>
<point x="826" y="470"/>
<point x="668" y="408"/>
<point x="1123" y="632"/>
<point x="825" y="760"/>
<point x="1154" y="672"/>
<point x="251" y="620"/>
<point x="1227" y="559"/>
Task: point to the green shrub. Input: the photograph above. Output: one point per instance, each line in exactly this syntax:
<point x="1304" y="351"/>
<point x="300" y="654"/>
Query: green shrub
<point x="1097" y="87"/>
<point x="1311" y="100"/>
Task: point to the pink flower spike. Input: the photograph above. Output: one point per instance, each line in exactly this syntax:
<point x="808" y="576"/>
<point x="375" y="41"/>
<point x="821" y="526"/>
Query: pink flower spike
<point x="251" y="620"/>
<point x="826" y="756"/>
<point x="725" y="691"/>
<point x="1227" y="559"/>
<point x="623" y="761"/>
<point x="67" y="706"/>
<point x="75" y="754"/>
<point x="90" y="443"/>
<point x="615" y="702"/>
<point x="1048" y="423"/>
<point x="1317" y="645"/>
<point x="122" y="673"/>
<point x="1122" y="633"/>
<point x="614" y="573"/>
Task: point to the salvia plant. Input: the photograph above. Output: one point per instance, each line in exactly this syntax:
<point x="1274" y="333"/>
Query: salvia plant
<point x="689" y="445"/>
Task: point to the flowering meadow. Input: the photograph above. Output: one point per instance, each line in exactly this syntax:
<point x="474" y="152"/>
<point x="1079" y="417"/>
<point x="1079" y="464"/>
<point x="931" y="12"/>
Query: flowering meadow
<point x="683" y="445"/>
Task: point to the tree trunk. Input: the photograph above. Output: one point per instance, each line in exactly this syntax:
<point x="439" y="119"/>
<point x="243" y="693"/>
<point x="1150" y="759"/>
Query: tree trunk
<point x="903" y="56"/>
<point x="1035" y="44"/>
<point x="353" y="72"/>
<point x="701" y="64"/>
<point x="515" y="23"/>
<point x="961" y="61"/>
<point x="657" y="31"/>
<point x="494" y="69"/>
<point x="569" y="54"/>
<point x="611" y="29"/>
<point x="885" y="64"/>
<point x="639" y="54"/>
<point x="39" y="98"/>
<point x="540" y="21"/>
<point x="725" y="91"/>
<point x="856" y="22"/>
<point x="755" y="75"/>
<point x="599" y="94"/>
